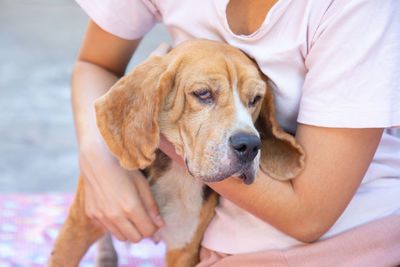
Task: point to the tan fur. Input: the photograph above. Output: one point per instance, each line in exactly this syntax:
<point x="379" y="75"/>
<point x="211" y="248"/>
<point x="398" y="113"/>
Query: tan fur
<point x="119" y="110"/>
<point x="189" y="255"/>
<point x="77" y="234"/>
<point x="282" y="157"/>
<point x="157" y="97"/>
<point x="167" y="83"/>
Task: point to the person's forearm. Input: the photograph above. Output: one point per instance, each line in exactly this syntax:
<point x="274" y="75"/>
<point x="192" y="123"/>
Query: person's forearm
<point x="307" y="206"/>
<point x="275" y="202"/>
<point x="88" y="82"/>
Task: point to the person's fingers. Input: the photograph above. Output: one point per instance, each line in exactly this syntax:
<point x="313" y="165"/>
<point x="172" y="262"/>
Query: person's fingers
<point x="113" y="220"/>
<point x="124" y="207"/>
<point x="124" y="230"/>
<point x="97" y="216"/>
<point x="161" y="50"/>
<point x="135" y="211"/>
<point x="104" y="219"/>
<point x="107" y="226"/>
<point x="149" y="202"/>
<point x="116" y="223"/>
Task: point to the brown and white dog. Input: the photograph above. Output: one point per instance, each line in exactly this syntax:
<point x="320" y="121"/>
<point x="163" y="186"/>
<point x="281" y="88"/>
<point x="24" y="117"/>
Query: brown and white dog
<point x="206" y="97"/>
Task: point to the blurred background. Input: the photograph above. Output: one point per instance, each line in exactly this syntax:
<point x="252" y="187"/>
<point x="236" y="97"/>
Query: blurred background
<point x="39" y="40"/>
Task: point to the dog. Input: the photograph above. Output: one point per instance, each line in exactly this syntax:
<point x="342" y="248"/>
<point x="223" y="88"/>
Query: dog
<point x="214" y="105"/>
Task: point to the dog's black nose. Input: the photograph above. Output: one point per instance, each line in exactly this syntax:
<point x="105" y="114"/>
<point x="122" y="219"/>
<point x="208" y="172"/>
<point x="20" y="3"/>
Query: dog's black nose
<point x="245" y="145"/>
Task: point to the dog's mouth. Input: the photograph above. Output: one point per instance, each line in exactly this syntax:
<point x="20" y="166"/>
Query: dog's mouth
<point x="248" y="176"/>
<point x="246" y="173"/>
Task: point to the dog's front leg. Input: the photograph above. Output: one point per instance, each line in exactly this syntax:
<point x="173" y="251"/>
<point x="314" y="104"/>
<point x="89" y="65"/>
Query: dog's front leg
<point x="77" y="234"/>
<point x="189" y="255"/>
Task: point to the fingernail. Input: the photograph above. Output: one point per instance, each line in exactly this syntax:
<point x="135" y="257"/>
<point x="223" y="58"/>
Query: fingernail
<point x="156" y="239"/>
<point x="158" y="220"/>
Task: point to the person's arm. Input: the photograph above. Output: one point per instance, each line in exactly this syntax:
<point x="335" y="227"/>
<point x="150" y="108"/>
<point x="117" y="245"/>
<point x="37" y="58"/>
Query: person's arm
<point x="118" y="199"/>
<point x="308" y="205"/>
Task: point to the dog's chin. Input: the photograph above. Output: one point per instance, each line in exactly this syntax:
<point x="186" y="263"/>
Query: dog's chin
<point x="247" y="173"/>
<point x="248" y="176"/>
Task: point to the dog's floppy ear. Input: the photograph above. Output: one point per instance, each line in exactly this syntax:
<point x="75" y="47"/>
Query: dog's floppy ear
<point x="282" y="157"/>
<point x="127" y="116"/>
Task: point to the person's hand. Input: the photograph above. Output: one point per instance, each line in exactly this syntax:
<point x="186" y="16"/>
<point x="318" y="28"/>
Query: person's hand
<point x="119" y="200"/>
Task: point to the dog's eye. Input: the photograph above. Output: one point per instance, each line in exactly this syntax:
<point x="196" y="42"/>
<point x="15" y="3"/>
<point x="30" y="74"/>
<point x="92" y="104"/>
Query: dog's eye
<point x="255" y="100"/>
<point x="204" y="95"/>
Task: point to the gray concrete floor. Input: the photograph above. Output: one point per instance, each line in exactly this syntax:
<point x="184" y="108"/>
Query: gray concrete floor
<point x="39" y="40"/>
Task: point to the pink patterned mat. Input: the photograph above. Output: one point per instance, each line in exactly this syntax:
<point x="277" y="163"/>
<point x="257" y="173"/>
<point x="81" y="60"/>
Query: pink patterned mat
<point x="29" y="224"/>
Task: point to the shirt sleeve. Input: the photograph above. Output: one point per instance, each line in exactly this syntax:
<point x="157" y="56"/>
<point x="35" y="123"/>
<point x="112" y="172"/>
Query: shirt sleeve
<point x="128" y="19"/>
<point x="353" y="67"/>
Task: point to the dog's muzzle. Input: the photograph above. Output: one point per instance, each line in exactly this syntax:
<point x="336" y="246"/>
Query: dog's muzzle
<point x="240" y="159"/>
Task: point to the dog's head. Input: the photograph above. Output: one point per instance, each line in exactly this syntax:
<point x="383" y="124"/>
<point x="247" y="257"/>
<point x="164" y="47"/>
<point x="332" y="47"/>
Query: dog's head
<point x="205" y="97"/>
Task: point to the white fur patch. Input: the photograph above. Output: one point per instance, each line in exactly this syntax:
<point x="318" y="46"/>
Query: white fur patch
<point x="180" y="200"/>
<point x="243" y="120"/>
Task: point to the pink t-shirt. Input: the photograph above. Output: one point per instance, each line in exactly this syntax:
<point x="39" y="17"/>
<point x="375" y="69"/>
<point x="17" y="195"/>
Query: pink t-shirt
<point x="331" y="63"/>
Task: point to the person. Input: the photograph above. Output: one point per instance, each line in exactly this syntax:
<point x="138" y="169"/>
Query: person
<point x="334" y="69"/>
